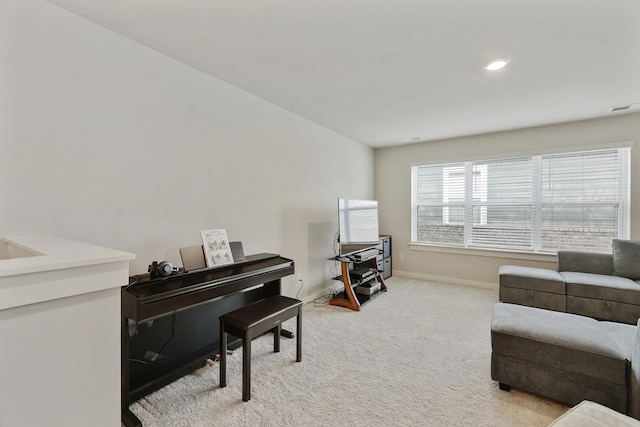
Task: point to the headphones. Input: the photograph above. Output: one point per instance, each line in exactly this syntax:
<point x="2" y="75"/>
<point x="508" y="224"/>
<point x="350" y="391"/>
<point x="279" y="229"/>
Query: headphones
<point x="163" y="269"/>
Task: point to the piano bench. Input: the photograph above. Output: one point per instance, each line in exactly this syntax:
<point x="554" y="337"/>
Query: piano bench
<point x="251" y="321"/>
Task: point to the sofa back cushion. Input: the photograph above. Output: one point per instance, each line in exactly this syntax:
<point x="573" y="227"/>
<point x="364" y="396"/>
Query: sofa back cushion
<point x="626" y="258"/>
<point x="585" y="262"/>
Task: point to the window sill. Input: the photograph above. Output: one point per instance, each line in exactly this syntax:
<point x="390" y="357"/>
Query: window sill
<point x="492" y="253"/>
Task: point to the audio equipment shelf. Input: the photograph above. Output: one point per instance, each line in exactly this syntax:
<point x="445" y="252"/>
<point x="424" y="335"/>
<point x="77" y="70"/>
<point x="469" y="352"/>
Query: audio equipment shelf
<point x="368" y="276"/>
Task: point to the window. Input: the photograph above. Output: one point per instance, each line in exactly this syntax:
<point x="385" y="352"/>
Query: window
<point x="537" y="203"/>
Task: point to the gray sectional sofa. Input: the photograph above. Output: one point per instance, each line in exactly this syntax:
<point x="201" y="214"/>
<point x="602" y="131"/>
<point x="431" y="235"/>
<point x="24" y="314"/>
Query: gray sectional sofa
<point x="572" y="334"/>
<point x="602" y="286"/>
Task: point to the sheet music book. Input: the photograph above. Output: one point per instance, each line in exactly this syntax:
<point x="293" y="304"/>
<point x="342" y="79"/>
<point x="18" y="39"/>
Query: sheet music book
<point x="216" y="246"/>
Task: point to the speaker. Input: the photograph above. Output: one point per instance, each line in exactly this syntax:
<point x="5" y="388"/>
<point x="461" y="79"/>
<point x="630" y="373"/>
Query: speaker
<point x="193" y="258"/>
<point x="162" y="269"/>
<point x="237" y="251"/>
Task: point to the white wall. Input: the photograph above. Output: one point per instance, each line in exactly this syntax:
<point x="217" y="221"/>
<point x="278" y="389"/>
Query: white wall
<point x="393" y="182"/>
<point x="105" y="141"/>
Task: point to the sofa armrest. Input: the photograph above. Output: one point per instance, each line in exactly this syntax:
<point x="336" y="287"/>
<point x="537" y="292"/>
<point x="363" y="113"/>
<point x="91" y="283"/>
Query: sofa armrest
<point x="585" y="262"/>
<point x="634" y="381"/>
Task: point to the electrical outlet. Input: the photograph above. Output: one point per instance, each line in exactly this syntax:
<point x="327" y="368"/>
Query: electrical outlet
<point x="152" y="356"/>
<point x="401" y="256"/>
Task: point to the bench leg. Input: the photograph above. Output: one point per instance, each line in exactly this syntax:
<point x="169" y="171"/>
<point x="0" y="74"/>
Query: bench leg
<point x="246" y="367"/>
<point x="223" y="356"/>
<point x="299" y="335"/>
<point x="504" y="387"/>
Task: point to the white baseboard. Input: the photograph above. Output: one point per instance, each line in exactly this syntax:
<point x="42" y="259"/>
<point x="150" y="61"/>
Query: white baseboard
<point x="442" y="279"/>
<point x="318" y="294"/>
<point x="427" y="277"/>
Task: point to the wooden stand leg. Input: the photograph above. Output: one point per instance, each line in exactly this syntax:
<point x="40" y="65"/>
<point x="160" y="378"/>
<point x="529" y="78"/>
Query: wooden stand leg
<point x="350" y="301"/>
<point x="383" y="287"/>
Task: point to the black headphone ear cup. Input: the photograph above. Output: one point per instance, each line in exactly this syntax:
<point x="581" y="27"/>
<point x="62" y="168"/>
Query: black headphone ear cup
<point x="165" y="268"/>
<point x="153" y="269"/>
<point x="162" y="269"/>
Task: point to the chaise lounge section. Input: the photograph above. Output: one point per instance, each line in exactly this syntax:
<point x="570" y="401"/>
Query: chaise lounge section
<point x="563" y="356"/>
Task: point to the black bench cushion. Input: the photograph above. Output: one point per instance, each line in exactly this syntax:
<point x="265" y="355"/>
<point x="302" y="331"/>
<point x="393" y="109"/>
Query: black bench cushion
<point x="250" y="315"/>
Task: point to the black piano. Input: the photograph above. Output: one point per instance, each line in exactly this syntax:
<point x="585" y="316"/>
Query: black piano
<point x="170" y="325"/>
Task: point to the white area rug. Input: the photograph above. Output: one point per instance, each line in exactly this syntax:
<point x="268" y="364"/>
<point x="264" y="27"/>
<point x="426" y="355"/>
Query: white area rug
<point x="418" y="355"/>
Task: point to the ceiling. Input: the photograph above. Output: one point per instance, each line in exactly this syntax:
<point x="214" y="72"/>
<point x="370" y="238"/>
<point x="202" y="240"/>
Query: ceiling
<point x="381" y="71"/>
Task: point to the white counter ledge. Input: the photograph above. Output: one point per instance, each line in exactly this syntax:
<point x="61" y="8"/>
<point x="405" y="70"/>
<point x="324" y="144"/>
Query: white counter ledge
<point x="60" y="332"/>
<point x="19" y="283"/>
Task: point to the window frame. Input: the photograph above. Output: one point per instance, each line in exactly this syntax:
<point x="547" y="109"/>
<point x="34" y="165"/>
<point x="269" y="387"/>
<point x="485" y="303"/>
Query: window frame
<point x="622" y="203"/>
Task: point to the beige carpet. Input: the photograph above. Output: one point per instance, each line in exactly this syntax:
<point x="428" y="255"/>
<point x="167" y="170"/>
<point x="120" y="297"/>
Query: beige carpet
<point x="418" y="355"/>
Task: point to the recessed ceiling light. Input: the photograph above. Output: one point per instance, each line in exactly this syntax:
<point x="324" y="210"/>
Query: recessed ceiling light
<point x="412" y="139"/>
<point x="496" y="64"/>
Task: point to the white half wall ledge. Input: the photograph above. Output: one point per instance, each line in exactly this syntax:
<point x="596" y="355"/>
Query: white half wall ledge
<point x="60" y="328"/>
<point x="21" y="280"/>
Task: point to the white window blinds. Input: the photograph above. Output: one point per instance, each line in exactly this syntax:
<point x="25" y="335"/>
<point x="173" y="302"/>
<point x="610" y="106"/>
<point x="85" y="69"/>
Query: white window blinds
<point x="502" y="204"/>
<point x="535" y="203"/>
<point x="584" y="199"/>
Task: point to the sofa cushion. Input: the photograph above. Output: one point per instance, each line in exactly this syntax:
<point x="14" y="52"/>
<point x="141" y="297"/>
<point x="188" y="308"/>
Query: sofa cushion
<point x="536" y="279"/>
<point x="626" y="258"/>
<point x="602" y="287"/>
